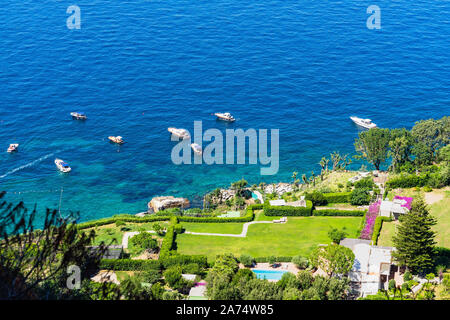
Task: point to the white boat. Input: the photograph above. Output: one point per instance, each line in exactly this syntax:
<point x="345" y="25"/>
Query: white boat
<point x="196" y="147"/>
<point x="117" y="139"/>
<point x="13" y="147"/>
<point x="225" y="116"/>
<point x="365" y="123"/>
<point x="78" y="115"/>
<point x="179" y="133"/>
<point x="62" y="166"/>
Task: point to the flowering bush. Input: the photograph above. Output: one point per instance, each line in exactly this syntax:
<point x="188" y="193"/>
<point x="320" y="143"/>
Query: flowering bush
<point x="371" y="215"/>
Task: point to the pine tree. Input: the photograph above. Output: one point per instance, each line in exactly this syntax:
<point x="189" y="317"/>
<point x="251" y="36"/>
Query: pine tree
<point x="414" y="239"/>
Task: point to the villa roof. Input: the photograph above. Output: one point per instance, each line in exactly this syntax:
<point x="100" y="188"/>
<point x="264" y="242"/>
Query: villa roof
<point x="350" y="243"/>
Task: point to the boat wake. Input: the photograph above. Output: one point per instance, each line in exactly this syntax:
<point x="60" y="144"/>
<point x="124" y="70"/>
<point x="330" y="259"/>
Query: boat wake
<point x="32" y="163"/>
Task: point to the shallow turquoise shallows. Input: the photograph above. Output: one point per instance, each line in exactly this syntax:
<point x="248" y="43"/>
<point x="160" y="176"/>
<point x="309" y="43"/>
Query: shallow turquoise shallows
<point x="269" y="274"/>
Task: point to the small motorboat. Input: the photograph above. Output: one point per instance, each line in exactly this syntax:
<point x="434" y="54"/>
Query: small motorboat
<point x="62" y="166"/>
<point x="78" y="115"/>
<point x="225" y="116"/>
<point x="13" y="147"/>
<point x="179" y="133"/>
<point x="196" y="147"/>
<point x="117" y="139"/>
<point x="365" y="123"/>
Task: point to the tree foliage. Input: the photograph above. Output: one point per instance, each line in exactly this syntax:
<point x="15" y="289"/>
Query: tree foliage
<point x="414" y="238"/>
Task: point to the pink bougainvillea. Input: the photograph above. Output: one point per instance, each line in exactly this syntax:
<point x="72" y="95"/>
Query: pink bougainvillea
<point x="408" y="202"/>
<point x="371" y="215"/>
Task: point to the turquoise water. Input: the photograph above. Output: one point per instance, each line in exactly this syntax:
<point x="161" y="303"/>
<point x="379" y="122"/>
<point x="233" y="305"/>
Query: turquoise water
<point x="138" y="67"/>
<point x="269" y="274"/>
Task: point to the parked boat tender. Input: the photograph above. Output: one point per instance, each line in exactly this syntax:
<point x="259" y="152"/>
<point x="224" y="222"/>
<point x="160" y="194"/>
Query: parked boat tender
<point x="78" y="115"/>
<point x="196" y="147"/>
<point x="62" y="166"/>
<point x="13" y="147"/>
<point x="179" y="133"/>
<point x="365" y="123"/>
<point x="117" y="139"/>
<point x="225" y="116"/>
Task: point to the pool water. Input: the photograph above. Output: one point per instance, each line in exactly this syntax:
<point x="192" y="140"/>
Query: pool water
<point x="269" y="274"/>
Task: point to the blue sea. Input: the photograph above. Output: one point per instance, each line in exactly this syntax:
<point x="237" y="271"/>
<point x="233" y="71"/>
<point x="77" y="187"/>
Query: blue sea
<point x="137" y="67"/>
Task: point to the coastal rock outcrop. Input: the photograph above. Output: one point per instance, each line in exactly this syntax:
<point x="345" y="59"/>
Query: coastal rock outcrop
<point x="221" y="195"/>
<point x="279" y="188"/>
<point x="165" y="202"/>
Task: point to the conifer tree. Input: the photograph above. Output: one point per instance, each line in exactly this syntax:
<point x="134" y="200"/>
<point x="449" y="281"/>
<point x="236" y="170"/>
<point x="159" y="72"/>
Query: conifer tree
<point x="414" y="239"/>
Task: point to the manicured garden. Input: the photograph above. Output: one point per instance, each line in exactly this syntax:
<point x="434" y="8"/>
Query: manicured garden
<point x="298" y="236"/>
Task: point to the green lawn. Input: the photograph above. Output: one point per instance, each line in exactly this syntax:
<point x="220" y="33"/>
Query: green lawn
<point x="234" y="228"/>
<point x="110" y="234"/>
<point x="298" y="236"/>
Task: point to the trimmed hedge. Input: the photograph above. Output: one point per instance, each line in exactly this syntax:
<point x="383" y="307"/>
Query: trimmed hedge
<point x="288" y="210"/>
<point x="249" y="215"/>
<point x="277" y="259"/>
<point x="338" y="213"/>
<point x="408" y="181"/>
<point x="123" y="217"/>
<point x="129" y="264"/>
<point x="182" y="259"/>
<point x="338" y="197"/>
<point x="377" y="228"/>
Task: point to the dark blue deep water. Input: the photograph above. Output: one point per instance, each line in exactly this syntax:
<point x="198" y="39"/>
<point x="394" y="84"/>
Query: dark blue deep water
<point x="137" y="67"/>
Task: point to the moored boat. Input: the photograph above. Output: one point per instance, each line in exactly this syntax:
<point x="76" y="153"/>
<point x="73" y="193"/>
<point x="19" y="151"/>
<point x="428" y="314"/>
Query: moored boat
<point x="13" y="147"/>
<point x="117" y="139"/>
<point x="196" y="147"/>
<point x="225" y="116"/>
<point x="365" y="123"/>
<point x="62" y="166"/>
<point x="179" y="133"/>
<point x="78" y="115"/>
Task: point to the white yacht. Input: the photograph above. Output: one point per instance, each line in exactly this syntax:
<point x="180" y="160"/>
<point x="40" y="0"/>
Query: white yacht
<point x="179" y="133"/>
<point x="62" y="166"/>
<point x="196" y="147"/>
<point x="365" y="123"/>
<point x="13" y="147"/>
<point x="78" y="115"/>
<point x="225" y="116"/>
<point x="118" y="139"/>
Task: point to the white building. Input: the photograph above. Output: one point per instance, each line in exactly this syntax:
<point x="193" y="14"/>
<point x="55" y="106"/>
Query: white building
<point x="372" y="267"/>
<point x="393" y="209"/>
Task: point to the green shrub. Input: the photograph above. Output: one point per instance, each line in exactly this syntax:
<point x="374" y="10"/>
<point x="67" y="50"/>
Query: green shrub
<point x="144" y="241"/>
<point x="172" y="276"/>
<point x="120" y="223"/>
<point x="338" y="213"/>
<point x="317" y="198"/>
<point x="427" y="189"/>
<point x="191" y="268"/>
<point x="129" y="264"/>
<point x="337" y="197"/>
<point x="407" y="276"/>
<point x="288" y="210"/>
<point x="366" y="183"/>
<point x="300" y="262"/>
<point x="360" y="197"/>
<point x="337" y="235"/>
<point x="181" y="259"/>
<point x="377" y="227"/>
<point x="246" y="260"/>
<point x="178" y="228"/>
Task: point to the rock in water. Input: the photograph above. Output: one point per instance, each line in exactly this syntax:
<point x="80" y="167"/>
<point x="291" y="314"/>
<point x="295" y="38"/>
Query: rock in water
<point x="161" y="203"/>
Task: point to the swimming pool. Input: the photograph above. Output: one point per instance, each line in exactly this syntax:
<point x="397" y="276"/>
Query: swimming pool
<point x="269" y="274"/>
